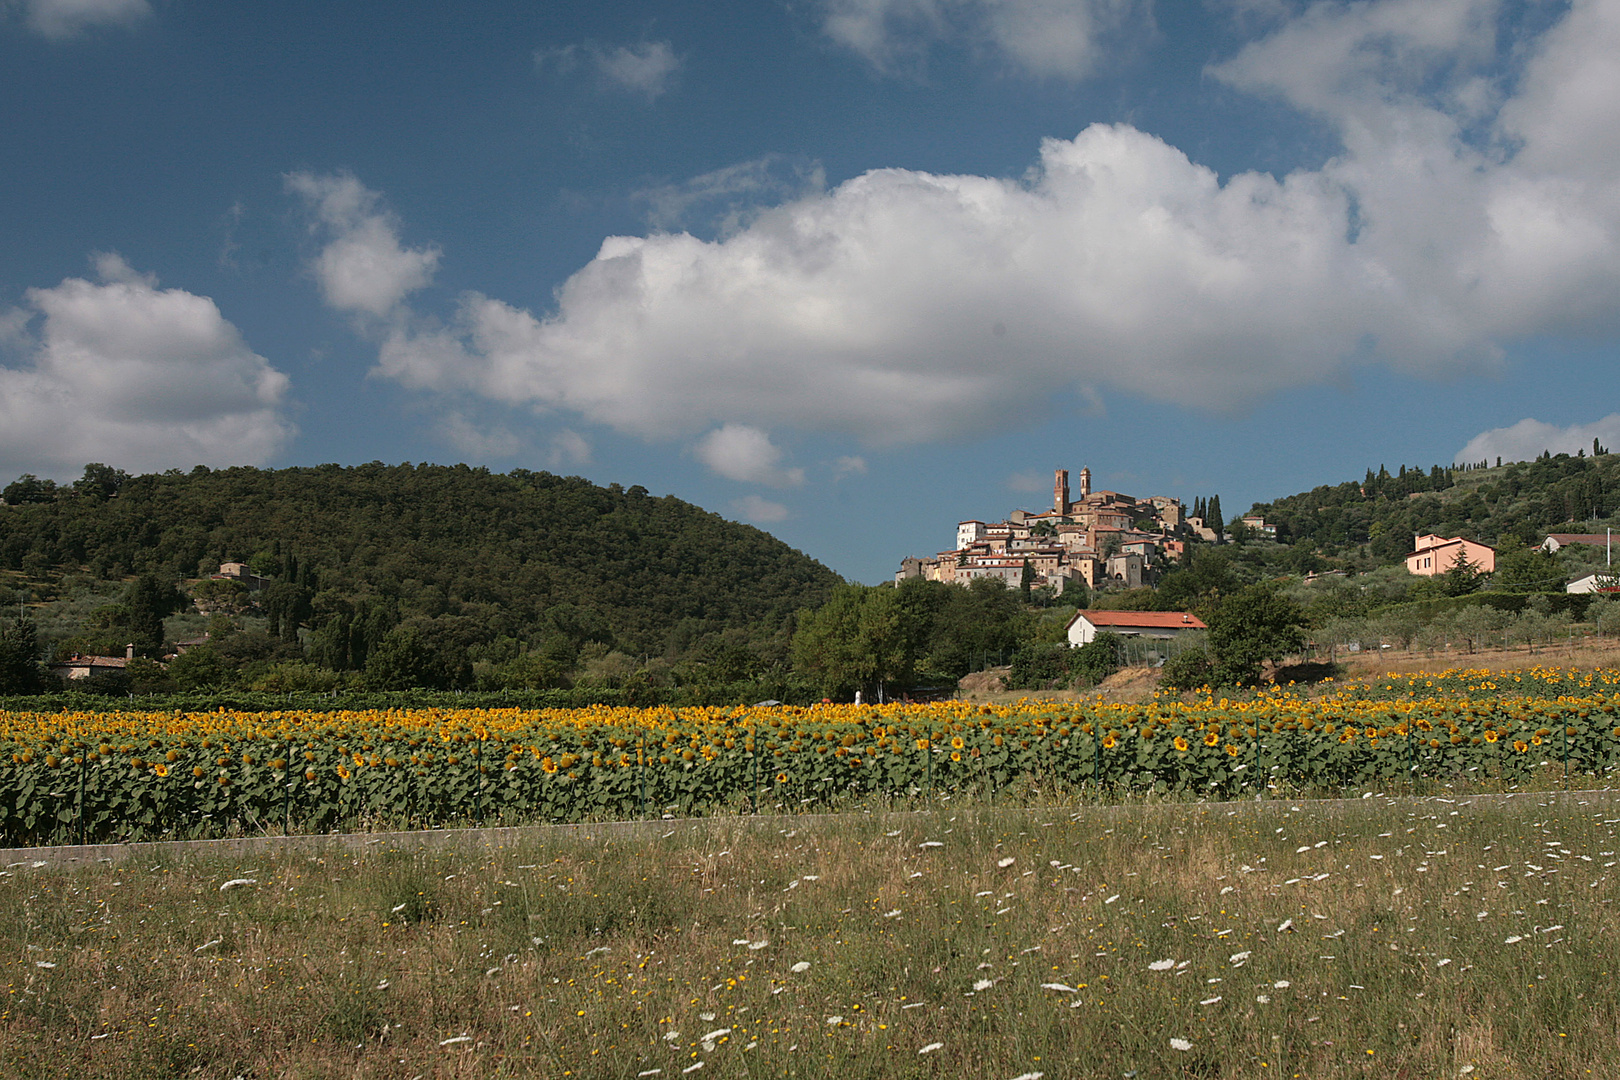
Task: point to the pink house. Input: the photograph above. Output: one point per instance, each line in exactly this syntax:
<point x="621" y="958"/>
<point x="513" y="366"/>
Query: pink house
<point x="1434" y="555"/>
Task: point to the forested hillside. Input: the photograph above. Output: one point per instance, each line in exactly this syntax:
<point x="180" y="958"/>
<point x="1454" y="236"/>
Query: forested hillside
<point x="497" y="564"/>
<point x="1377" y="517"/>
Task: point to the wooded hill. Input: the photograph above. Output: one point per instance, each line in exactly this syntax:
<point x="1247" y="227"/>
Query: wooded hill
<point x="1375" y="519"/>
<point x="352" y="553"/>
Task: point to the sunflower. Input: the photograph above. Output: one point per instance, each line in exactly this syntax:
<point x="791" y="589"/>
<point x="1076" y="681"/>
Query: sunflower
<point x="781" y="778"/>
<point x="1212" y="739"/>
<point x="957" y="743"/>
<point x="1232" y="750"/>
<point x="956" y="755"/>
<point x="1181" y="743"/>
<point x="1520" y="745"/>
<point x="1491" y="736"/>
<point x="1535" y="740"/>
<point x="1109" y="742"/>
<point x="161" y="769"/>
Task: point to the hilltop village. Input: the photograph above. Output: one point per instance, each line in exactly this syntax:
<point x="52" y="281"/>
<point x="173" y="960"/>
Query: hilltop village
<point x="1101" y="539"/>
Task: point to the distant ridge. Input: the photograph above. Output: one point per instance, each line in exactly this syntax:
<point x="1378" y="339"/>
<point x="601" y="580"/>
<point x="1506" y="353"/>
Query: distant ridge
<point x="513" y="555"/>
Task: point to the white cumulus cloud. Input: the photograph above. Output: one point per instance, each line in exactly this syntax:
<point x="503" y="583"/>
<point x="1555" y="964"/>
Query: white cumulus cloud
<point x="648" y="68"/>
<point x="478" y="439"/>
<point x="732" y="196"/>
<point x="849" y="465"/>
<point x="64" y="18"/>
<point x="1465" y="209"/>
<point x="1530" y="438"/>
<point x="135" y="376"/>
<point x="740" y="452"/>
<point x="1043" y="38"/>
<point x="759" y="511"/>
<point x="568" y="448"/>
<point x="362" y="266"/>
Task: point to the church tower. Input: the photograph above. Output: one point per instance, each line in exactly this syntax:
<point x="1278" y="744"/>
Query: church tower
<point x="1085" y="482"/>
<point x="1060" y="492"/>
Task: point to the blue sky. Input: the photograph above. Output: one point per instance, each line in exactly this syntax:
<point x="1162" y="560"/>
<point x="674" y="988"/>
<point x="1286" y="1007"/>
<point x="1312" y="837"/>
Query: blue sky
<point x="851" y="270"/>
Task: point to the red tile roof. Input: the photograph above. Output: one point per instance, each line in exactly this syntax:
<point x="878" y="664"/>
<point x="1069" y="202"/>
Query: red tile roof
<point x="1152" y="619"/>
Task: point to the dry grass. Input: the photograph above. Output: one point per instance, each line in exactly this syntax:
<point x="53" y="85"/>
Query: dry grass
<point x="1137" y="684"/>
<point x="845" y="946"/>
<point x="1585" y="653"/>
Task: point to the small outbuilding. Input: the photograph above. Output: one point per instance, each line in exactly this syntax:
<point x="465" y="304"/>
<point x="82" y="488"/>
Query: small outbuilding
<point x="1162" y="625"/>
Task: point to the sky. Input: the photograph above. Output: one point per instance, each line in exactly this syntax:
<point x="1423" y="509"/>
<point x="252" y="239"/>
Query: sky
<point x="848" y="270"/>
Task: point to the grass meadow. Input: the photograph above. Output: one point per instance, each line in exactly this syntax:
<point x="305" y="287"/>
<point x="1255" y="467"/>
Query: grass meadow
<point x="1413" y="937"/>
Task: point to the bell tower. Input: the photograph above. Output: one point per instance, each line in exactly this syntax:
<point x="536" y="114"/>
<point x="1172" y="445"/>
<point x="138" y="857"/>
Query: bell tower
<point x="1085" y="482"/>
<point x="1060" y="492"/>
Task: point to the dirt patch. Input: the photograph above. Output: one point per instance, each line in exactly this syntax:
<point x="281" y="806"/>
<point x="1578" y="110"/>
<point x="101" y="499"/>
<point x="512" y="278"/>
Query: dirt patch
<point x="1127" y="684"/>
<point x="988" y="681"/>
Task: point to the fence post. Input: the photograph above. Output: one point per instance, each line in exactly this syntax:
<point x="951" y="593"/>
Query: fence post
<point x="84" y="763"/>
<point x="286" y="807"/>
<point x="1096" y="763"/>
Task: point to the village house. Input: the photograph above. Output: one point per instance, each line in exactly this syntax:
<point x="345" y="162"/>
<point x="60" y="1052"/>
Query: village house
<point x="236" y="571"/>
<point x="1555" y="541"/>
<point x="1594" y="583"/>
<point x="82" y="667"/>
<point x="1433" y="555"/>
<point x="1065" y="543"/>
<point x="1161" y="625"/>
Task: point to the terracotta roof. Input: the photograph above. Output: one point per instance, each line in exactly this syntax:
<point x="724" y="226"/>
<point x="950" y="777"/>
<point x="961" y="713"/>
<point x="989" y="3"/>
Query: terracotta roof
<point x="1152" y="619"/>
<point x="1445" y="543"/>
<point x="92" y="662"/>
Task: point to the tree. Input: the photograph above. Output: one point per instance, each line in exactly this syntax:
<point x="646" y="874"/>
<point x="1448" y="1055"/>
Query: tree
<point x="1215" y="521"/>
<point x="430" y="653"/>
<point x="1463" y="576"/>
<point x="28" y="488"/>
<point x="20" y="669"/>
<point x="1476" y="625"/>
<point x="859" y="640"/>
<point x="1026" y="581"/>
<point x="1253" y="625"/>
<point x="1604" y="613"/>
<point x="100" y="481"/>
<point x="147" y="602"/>
<point x="1522" y="568"/>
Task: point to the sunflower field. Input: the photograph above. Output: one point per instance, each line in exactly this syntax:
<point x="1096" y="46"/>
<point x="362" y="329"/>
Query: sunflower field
<point x="98" y="776"/>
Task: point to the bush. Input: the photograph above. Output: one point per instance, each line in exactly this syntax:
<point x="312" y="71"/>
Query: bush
<point x="1040" y="667"/>
<point x="1096" y="660"/>
<point x="1187" y="671"/>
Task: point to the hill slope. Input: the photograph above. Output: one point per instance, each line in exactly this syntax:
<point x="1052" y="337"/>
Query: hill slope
<point x="1379" y="516"/>
<point x="519" y="554"/>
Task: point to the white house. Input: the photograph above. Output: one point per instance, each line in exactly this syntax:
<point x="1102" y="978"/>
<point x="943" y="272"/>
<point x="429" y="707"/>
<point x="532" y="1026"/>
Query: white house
<point x="1163" y="625"/>
<point x="1593" y="583"/>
